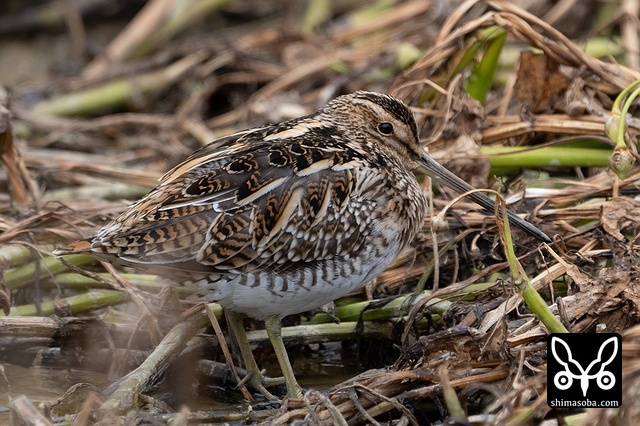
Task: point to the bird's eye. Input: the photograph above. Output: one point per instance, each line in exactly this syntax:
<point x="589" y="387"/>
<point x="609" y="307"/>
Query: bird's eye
<point x="385" y="128"/>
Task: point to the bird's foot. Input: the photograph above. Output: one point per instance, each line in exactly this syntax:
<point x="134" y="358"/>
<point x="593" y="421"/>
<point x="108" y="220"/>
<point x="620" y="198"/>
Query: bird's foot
<point x="259" y="382"/>
<point x="294" y="392"/>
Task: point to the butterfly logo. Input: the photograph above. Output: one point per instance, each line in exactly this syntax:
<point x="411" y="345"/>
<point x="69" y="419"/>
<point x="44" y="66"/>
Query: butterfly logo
<point x="563" y="380"/>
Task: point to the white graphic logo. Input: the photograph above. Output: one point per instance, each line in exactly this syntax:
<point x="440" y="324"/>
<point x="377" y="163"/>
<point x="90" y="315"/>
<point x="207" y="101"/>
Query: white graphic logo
<point x="564" y="379"/>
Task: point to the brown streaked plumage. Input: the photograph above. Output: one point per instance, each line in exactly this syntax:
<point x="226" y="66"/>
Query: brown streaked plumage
<point x="284" y="218"/>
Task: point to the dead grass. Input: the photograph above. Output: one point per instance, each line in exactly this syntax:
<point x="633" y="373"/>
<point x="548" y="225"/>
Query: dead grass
<point x="472" y="346"/>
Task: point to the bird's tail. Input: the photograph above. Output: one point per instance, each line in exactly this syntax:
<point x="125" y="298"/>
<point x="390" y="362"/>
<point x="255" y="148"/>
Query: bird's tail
<point x="80" y="246"/>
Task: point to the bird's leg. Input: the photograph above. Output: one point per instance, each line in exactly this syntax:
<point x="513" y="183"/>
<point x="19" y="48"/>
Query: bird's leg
<point x="274" y="331"/>
<point x="254" y="377"/>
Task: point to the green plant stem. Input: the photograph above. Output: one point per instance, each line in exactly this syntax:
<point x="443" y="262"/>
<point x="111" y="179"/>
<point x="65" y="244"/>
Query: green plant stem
<point x="622" y="97"/>
<point x="553" y="156"/>
<point x="183" y="17"/>
<point x="12" y="255"/>
<point x="539" y="307"/>
<point x="73" y="305"/>
<point x="531" y="297"/>
<point x="315" y="14"/>
<point x="628" y="101"/>
<point x="329" y="332"/>
<point x="395" y="308"/>
<point x="450" y="396"/>
<point x="146" y="282"/>
<point x="114" y="94"/>
<point x="26" y="274"/>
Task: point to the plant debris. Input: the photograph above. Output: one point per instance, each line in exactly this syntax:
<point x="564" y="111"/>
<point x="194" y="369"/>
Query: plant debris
<point x="134" y="95"/>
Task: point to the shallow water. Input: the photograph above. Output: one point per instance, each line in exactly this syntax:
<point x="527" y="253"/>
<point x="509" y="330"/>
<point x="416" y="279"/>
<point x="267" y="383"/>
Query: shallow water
<point x="42" y="385"/>
<point x="318" y="367"/>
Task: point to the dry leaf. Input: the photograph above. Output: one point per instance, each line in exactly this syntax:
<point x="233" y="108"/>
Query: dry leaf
<point x="540" y="84"/>
<point x="620" y="215"/>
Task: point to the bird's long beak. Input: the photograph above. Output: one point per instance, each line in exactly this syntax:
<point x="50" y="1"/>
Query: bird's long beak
<point x="445" y="177"/>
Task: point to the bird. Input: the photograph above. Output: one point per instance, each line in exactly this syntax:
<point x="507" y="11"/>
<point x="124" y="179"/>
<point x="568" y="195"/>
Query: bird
<point x="285" y="218"/>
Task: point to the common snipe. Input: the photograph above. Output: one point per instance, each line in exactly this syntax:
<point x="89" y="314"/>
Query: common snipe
<point x="285" y="218"/>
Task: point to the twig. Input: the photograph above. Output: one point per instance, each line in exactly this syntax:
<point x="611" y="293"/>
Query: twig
<point x="139" y="380"/>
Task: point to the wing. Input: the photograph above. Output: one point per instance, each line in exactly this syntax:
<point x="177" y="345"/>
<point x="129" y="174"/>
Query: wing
<point x="256" y="199"/>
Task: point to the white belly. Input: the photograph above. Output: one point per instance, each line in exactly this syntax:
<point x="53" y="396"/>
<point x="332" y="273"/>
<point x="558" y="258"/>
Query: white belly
<point x="266" y="293"/>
